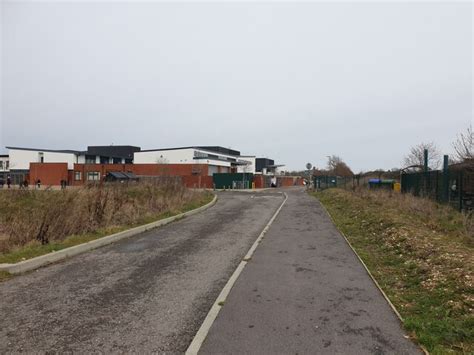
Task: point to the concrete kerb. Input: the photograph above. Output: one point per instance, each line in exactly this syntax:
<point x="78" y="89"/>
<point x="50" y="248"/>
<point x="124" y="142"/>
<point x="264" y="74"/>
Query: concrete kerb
<point x="34" y="263"/>
<point x="201" y="335"/>
<point x="392" y="306"/>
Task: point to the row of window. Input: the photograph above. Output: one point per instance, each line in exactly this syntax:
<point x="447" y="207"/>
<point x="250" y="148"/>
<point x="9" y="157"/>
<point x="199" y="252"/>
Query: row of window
<point x="91" y="159"/>
<point x="90" y="176"/>
<point x="4" y="166"/>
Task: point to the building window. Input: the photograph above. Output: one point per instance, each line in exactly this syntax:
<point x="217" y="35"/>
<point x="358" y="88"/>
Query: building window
<point x="117" y="160"/>
<point x="90" y="159"/>
<point x="41" y="157"/>
<point x="77" y="176"/>
<point x="93" y="176"/>
<point x="128" y="161"/>
<point x="7" y="165"/>
<point x="104" y="160"/>
<point x="1" y="164"/>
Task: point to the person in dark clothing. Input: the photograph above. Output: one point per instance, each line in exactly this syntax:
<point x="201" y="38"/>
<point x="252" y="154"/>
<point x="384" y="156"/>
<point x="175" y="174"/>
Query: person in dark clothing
<point x="25" y="184"/>
<point x="9" y="181"/>
<point x="38" y="183"/>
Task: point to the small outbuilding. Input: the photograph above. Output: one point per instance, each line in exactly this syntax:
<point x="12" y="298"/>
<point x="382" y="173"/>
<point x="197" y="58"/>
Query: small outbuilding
<point x="120" y="176"/>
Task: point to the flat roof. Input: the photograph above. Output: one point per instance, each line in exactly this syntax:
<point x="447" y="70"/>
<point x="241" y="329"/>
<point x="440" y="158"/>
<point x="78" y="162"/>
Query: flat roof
<point x="47" y="150"/>
<point x="206" y="149"/>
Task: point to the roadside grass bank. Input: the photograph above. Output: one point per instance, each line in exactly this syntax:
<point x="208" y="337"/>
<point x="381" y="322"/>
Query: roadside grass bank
<point x="421" y="254"/>
<point x="34" y="223"/>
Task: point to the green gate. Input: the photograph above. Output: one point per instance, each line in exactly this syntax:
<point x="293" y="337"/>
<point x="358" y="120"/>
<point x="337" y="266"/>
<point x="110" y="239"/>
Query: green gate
<point x="232" y="180"/>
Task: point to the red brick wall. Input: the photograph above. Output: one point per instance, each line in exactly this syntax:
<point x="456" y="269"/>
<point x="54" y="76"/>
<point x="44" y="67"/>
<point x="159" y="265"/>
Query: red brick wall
<point x="195" y="181"/>
<point x="170" y="169"/>
<point x="103" y="169"/>
<point x="50" y="174"/>
<point x="258" y="180"/>
<point x="282" y="181"/>
<point x="286" y="181"/>
<point x="194" y="175"/>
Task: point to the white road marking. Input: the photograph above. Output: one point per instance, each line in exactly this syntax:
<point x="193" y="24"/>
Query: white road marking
<point x="201" y="335"/>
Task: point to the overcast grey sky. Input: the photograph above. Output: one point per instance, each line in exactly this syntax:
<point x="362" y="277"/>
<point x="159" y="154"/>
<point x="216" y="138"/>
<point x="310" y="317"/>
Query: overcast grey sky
<point x="291" y="81"/>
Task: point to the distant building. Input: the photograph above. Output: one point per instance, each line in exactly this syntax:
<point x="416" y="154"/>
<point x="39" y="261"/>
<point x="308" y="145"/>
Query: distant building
<point x="108" y="154"/>
<point x="194" y="165"/>
<point x="266" y="166"/>
<point x="20" y="157"/>
<point x="4" y="166"/>
<point x="218" y="159"/>
<point x="249" y="167"/>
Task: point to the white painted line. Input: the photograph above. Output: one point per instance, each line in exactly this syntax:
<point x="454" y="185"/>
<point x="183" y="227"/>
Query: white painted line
<point x="399" y="316"/>
<point x="201" y="335"/>
<point x="62" y="254"/>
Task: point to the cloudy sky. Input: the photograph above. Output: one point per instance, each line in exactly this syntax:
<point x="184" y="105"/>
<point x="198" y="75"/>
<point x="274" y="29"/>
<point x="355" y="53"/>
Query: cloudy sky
<point x="291" y="81"/>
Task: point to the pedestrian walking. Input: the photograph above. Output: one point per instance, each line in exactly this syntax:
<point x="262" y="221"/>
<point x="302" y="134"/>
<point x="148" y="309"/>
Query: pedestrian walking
<point x="9" y="181"/>
<point x="38" y="184"/>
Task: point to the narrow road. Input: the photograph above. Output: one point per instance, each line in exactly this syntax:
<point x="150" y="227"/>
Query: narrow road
<point x="305" y="292"/>
<point x="145" y="294"/>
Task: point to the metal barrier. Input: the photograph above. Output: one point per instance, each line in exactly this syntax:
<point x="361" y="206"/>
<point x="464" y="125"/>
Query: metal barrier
<point x="326" y="181"/>
<point x="455" y="188"/>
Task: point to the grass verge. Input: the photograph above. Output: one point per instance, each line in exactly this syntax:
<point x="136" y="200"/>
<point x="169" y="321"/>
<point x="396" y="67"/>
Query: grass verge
<point x="35" y="249"/>
<point x="421" y="255"/>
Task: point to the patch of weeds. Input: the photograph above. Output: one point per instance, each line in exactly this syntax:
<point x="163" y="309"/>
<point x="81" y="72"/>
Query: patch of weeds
<point x="220" y="303"/>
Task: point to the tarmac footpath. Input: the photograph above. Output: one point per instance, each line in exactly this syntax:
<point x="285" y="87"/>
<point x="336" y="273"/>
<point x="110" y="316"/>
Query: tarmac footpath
<point x="305" y="292"/>
<point x="146" y="294"/>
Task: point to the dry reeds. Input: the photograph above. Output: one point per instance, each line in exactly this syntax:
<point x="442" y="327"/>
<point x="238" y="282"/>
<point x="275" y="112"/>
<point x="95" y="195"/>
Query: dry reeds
<point x="44" y="216"/>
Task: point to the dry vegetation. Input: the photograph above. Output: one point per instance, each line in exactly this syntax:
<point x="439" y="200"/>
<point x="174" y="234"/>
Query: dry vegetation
<point x="422" y="255"/>
<point x="35" y="219"/>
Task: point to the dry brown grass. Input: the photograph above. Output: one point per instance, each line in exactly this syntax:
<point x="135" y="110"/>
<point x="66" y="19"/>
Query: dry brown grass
<point x="441" y="218"/>
<point x="41" y="217"/>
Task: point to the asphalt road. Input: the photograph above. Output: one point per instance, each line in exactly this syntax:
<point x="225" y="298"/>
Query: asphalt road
<point x="146" y="294"/>
<point x="305" y="292"/>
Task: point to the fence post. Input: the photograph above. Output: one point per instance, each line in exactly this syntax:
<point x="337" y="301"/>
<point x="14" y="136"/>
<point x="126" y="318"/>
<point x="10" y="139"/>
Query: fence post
<point x="460" y="190"/>
<point x="445" y="192"/>
<point x="425" y="160"/>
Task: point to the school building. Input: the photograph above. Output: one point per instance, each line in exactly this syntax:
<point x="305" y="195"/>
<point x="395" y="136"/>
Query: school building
<point x="195" y="166"/>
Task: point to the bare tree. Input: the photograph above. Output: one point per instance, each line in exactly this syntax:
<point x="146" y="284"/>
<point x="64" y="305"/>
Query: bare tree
<point x="416" y="156"/>
<point x="333" y="161"/>
<point x="464" y="145"/>
<point x="338" y="167"/>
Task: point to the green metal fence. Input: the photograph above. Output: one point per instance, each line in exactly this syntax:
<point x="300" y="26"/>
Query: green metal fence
<point x="455" y="188"/>
<point x="327" y="181"/>
<point x="232" y="180"/>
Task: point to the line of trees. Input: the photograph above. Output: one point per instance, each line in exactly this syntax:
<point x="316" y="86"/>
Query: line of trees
<point x="463" y="147"/>
<point x="463" y="151"/>
<point x="335" y="167"/>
